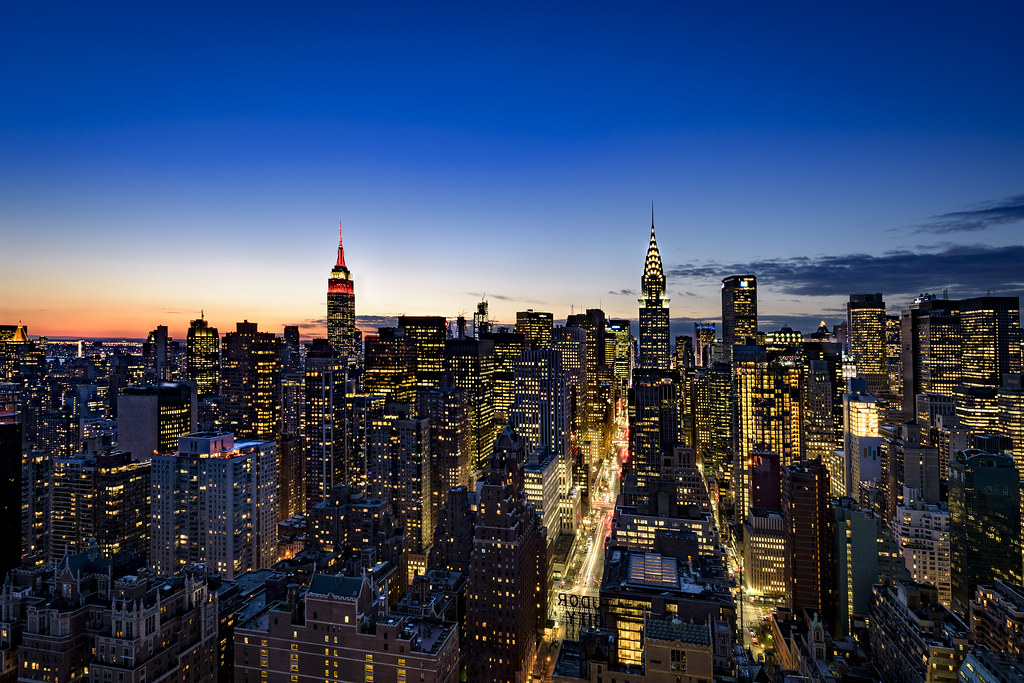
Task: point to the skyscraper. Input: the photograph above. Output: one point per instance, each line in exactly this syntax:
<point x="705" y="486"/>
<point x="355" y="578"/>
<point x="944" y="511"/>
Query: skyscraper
<point x="739" y="312"/>
<point x="341" y="306"/>
<point x="10" y="478"/>
<point x="865" y="318"/>
<point x="653" y="335"/>
<point x="151" y="417"/>
<point x="203" y="352"/>
<point x="323" y="424"/>
<point x="808" y="524"/>
<point x="991" y="338"/>
<point x="931" y="342"/>
<point x="535" y="326"/>
<point x="426" y="335"/>
<point x="250" y="376"/>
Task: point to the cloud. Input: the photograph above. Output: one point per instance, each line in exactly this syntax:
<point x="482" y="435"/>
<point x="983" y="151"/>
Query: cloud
<point x="966" y="270"/>
<point x="623" y="292"/>
<point x="981" y="217"/>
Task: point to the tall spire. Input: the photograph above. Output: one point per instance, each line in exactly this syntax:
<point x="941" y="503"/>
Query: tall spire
<point x="341" y="250"/>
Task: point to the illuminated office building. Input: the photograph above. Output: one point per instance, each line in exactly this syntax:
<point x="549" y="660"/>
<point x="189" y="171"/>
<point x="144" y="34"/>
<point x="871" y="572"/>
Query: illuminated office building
<point x="361" y="410"/>
<point x="932" y="345"/>
<point x="389" y="366"/>
<point x="861" y="441"/>
<point x="984" y="523"/>
<point x="152" y="417"/>
<point x="508" y="347"/>
<point x="683" y="352"/>
<point x="977" y="409"/>
<point x="808" y="527"/>
<point x="764" y="546"/>
<point x="540" y="413"/>
<point x="922" y="532"/>
<point x="712" y="414"/>
<point x="621" y="350"/>
<point x="426" y="334"/>
<point x="703" y="338"/>
<point x="10" y="478"/>
<point x="894" y="353"/>
<point x="36" y="507"/>
<point x="506" y="607"/>
<point x="102" y="497"/>
<point x="250" y="382"/>
<point x="991" y="339"/>
<point x="323" y="423"/>
<point x="214" y="501"/>
<point x="653" y="335"/>
<point x="481" y="321"/>
<point x="865" y="320"/>
<point x="470" y="363"/>
<point x="768" y="411"/>
<point x="156" y="355"/>
<point x="447" y="409"/>
<point x="1011" y="416"/>
<point x="535" y="326"/>
<point x="822" y="399"/>
<point x="341" y="307"/>
<point x="653" y="426"/>
<point x="571" y="344"/>
<point x="739" y="312"/>
<point x="597" y="375"/>
<point x="203" y="351"/>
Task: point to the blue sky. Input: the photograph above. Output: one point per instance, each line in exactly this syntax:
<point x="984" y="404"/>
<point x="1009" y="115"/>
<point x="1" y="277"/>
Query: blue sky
<point x="158" y="160"/>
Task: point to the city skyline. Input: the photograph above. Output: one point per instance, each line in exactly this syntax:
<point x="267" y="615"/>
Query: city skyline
<point x="501" y="152"/>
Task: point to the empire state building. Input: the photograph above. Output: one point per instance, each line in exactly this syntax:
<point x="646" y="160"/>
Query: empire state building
<point x="341" y="306"/>
<point x="653" y="334"/>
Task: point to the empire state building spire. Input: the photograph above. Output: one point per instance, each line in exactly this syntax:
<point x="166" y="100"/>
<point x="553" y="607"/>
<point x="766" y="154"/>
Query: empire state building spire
<point x="653" y="334"/>
<point x="341" y="306"/>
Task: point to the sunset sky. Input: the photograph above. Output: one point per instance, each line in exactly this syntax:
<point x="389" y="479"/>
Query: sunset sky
<point x="159" y="159"/>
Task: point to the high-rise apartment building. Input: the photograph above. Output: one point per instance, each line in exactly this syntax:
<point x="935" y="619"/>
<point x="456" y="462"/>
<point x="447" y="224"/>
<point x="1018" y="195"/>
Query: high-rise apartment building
<point x="250" y="382"/>
<point x="865" y="321"/>
<point x="535" y="326"/>
<point x="739" y="312"/>
<point x="653" y="335"/>
<point x="426" y="334"/>
<point x="341" y="306"/>
<point x="984" y="523"/>
<point x="202" y="347"/>
<point x="214" y="501"/>
<point x="323" y="423"/>
<point x="447" y="409"/>
<point x="922" y="532"/>
<point x="506" y="601"/>
<point x="101" y="498"/>
<point x="540" y="413"/>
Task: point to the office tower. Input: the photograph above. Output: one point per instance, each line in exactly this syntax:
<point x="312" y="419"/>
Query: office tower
<point x="389" y="366"/>
<point x="447" y="409"/>
<point x="808" y="522"/>
<point x="822" y="399"/>
<point x="653" y="335"/>
<point x="683" y="352"/>
<point x="864" y="554"/>
<point x="894" y="353"/>
<point x="364" y="640"/>
<point x="768" y="411"/>
<point x="984" y="523"/>
<point x="544" y="492"/>
<point x="453" y="542"/>
<point x="156" y="355"/>
<point x="101" y="497"/>
<point x="250" y="383"/>
<point x="991" y="339"/>
<point x="764" y="552"/>
<point x="360" y="412"/>
<point x="1011" y="414"/>
<point x="323" y="423"/>
<point x="400" y="473"/>
<point x="739" y="312"/>
<point x="861" y="441"/>
<point x="341" y="307"/>
<point x="653" y="426"/>
<point x="291" y="477"/>
<point x="621" y="349"/>
<point x="508" y="347"/>
<point x="712" y="408"/>
<point x="703" y="337"/>
<point x="293" y="399"/>
<point x="535" y="326"/>
<point x="10" y="479"/>
<point x="36" y="506"/>
<point x="906" y="461"/>
<point x="540" y="414"/>
<point x="765" y="480"/>
<point x="913" y="637"/>
<point x="426" y="334"/>
<point x="571" y="344"/>
<point x="203" y="351"/>
<point x="505" y="609"/>
<point x="865" y="319"/>
<point x="932" y="346"/>
<point x="922" y="532"/>
<point x="470" y="363"/>
<point x="977" y="408"/>
<point x="291" y="352"/>
<point x="597" y="376"/>
<point x="214" y="501"/>
<point x="151" y="417"/>
<point x="481" y="323"/>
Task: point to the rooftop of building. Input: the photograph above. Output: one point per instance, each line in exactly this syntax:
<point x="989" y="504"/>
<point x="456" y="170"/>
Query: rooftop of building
<point x="677" y="631"/>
